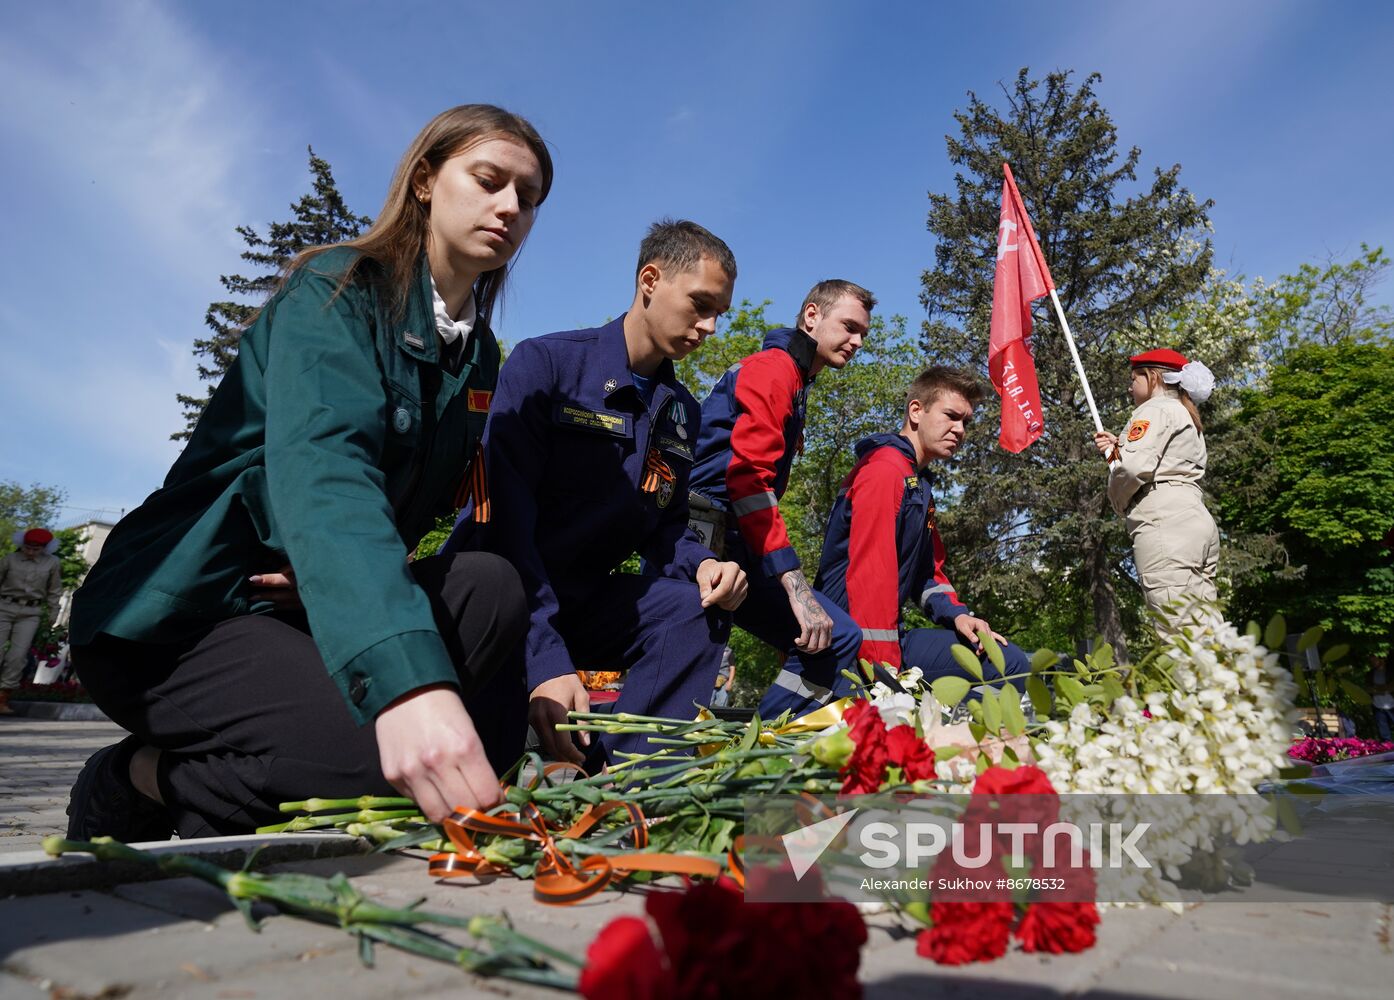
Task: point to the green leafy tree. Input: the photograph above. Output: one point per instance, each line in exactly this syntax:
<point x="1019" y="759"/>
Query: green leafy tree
<point x="25" y="507"/>
<point x="1323" y="305"/>
<point x="321" y="217"/>
<point x="1319" y="476"/>
<point x="740" y="334"/>
<point x="1036" y="526"/>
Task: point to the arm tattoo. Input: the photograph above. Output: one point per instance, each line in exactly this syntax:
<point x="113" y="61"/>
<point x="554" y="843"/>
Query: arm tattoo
<point x="802" y="594"/>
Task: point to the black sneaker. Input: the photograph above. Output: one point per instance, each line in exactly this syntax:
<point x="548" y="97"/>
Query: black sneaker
<point x="104" y="803"/>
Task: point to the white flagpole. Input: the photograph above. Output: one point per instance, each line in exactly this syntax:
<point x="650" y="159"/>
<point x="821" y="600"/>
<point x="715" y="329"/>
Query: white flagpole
<point x="1079" y="366"/>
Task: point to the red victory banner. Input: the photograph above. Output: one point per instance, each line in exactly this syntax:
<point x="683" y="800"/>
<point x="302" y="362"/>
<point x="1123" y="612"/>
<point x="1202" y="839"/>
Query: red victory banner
<point x="1022" y="278"/>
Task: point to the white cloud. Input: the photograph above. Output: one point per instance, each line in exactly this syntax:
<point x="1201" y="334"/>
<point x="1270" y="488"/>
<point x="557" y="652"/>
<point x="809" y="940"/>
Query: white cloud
<point x="125" y="97"/>
<point x="141" y="148"/>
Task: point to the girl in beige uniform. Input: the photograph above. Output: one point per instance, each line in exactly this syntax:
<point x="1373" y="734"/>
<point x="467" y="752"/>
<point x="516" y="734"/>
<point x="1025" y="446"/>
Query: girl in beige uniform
<point x="1155" y="482"/>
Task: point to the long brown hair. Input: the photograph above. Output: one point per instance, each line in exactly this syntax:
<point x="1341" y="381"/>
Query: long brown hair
<point x="1154" y="380"/>
<point x="397" y="239"/>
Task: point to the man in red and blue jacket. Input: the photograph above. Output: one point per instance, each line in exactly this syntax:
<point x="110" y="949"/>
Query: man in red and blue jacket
<point x="882" y="547"/>
<point x="752" y="429"/>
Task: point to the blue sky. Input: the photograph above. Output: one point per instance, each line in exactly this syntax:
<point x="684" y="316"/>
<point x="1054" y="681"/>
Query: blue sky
<point x="138" y="134"/>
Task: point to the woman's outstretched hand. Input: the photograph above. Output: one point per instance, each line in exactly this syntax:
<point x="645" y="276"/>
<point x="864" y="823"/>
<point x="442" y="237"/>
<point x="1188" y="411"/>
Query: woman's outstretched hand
<point x="431" y="753"/>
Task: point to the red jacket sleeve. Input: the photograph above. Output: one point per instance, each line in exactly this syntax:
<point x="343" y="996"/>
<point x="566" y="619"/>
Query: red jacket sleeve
<point x="873" y="561"/>
<point x="765" y="390"/>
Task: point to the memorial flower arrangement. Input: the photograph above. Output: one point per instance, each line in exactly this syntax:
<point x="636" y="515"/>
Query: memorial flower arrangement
<point x="1209" y="710"/>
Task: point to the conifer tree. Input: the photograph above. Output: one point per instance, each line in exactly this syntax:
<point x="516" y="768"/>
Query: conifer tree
<point x="320" y="217"/>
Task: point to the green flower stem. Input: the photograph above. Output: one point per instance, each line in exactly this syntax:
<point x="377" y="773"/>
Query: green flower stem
<point x="382" y="833"/>
<point x="301" y="823"/>
<point x="335" y="900"/>
<point x="362" y="802"/>
<point x="468" y="959"/>
<point x="679" y="766"/>
<point x="498" y="933"/>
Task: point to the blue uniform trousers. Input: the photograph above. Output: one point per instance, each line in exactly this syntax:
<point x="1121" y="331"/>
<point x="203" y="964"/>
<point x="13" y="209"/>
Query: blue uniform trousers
<point x="928" y="649"/>
<point x="653" y="628"/>
<point x="808" y="682"/>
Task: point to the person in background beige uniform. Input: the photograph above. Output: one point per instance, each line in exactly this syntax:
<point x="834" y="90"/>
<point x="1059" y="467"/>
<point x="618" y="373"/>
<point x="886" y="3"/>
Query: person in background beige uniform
<point x="1155" y="483"/>
<point x="29" y="579"/>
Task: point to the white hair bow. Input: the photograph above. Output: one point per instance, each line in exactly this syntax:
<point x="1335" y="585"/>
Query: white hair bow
<point x="1195" y="378"/>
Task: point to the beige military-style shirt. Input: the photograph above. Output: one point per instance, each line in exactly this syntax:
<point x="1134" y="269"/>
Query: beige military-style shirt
<point x="37" y="579"/>
<point x="1160" y="445"/>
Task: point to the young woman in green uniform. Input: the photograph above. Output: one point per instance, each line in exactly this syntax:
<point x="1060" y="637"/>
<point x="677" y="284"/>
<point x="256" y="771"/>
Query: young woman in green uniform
<point x="256" y="624"/>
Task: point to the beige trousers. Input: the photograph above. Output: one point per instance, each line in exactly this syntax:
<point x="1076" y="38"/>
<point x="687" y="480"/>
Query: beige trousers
<point x="17" y="626"/>
<point x="1176" y="547"/>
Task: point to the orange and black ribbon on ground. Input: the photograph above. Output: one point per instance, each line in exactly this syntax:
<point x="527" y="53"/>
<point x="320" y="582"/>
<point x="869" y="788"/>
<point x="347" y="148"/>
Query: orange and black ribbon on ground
<point x="558" y="880"/>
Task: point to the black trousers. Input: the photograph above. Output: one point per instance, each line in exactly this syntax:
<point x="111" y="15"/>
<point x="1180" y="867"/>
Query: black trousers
<point x="246" y="714"/>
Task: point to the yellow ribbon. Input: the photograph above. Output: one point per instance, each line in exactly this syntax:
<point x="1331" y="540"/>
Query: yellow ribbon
<point x="813" y="722"/>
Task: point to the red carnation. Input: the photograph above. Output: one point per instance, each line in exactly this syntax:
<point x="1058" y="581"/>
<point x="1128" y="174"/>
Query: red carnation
<point x="866" y="768"/>
<point x="1058" y="927"/>
<point x="1025" y="779"/>
<point x="1022" y="795"/>
<point x="911" y="754"/>
<point x="715" y="945"/>
<point x="966" y="932"/>
<point x="624" y="963"/>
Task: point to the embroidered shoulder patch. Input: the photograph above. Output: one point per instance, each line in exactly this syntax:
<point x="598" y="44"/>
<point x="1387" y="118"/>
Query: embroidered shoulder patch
<point x="1137" y="429"/>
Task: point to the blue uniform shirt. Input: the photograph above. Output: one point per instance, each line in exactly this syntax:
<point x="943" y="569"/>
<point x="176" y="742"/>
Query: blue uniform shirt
<point x="581" y="474"/>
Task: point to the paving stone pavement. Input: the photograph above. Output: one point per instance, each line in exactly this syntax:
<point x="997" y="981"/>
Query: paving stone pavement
<point x="39" y="759"/>
<point x="180" y="938"/>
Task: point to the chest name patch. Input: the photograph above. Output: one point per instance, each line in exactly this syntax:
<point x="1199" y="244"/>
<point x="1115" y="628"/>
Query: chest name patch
<point x="1137" y="429"/>
<point x="673" y="446"/>
<point x="592" y="420"/>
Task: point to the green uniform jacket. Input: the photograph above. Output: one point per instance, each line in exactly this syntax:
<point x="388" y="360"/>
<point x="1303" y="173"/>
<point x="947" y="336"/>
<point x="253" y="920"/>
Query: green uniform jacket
<point x="334" y="442"/>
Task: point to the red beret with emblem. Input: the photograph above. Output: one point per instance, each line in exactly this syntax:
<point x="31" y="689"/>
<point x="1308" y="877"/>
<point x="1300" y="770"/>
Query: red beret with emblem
<point x="1164" y="358"/>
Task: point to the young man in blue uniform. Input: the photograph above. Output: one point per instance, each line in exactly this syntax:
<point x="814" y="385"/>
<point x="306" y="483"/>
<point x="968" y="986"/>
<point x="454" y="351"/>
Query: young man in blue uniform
<point x="752" y="429"/>
<point x="587" y="455"/>
<point x="882" y="546"/>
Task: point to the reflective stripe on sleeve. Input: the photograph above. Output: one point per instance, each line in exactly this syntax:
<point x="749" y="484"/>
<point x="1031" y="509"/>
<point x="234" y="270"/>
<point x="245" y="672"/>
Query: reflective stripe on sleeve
<point x="748" y="505"/>
<point x="942" y="588"/>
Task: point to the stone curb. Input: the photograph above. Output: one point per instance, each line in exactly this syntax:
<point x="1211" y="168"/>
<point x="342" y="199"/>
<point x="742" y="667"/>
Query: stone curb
<point x="61" y="711"/>
<point x="34" y="873"/>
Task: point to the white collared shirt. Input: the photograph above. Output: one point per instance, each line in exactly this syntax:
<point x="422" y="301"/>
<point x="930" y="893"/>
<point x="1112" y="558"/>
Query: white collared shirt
<point x="449" y="329"/>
